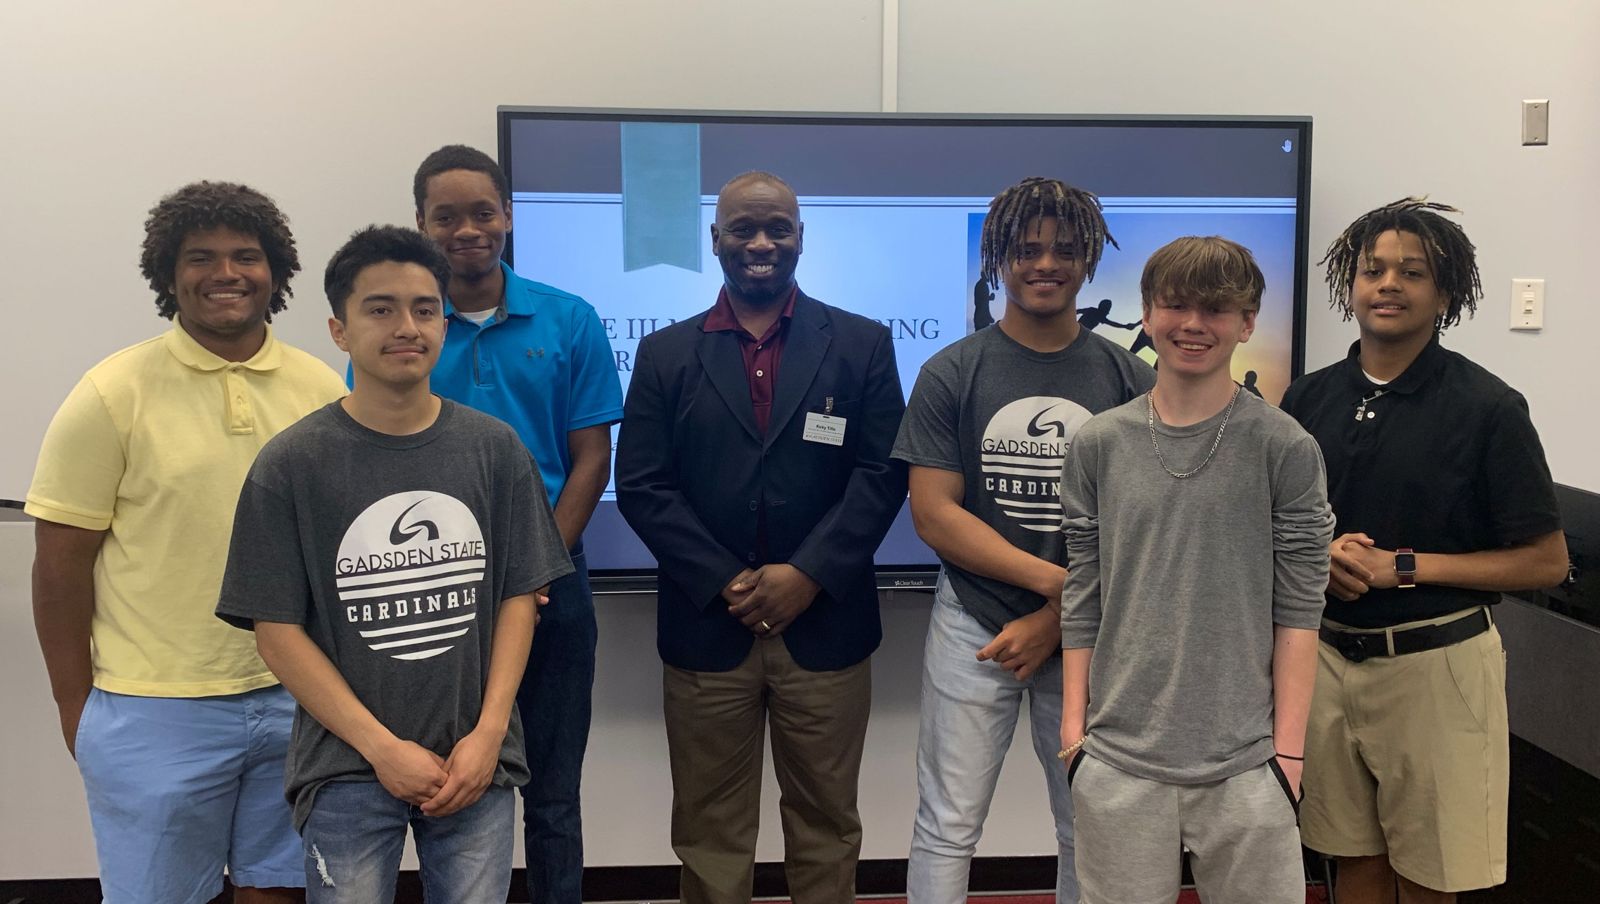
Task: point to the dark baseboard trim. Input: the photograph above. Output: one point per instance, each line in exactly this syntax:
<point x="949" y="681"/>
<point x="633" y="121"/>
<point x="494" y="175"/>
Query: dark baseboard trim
<point x="631" y="883"/>
<point x="990" y="875"/>
<point x="53" y="891"/>
<point x="873" y="877"/>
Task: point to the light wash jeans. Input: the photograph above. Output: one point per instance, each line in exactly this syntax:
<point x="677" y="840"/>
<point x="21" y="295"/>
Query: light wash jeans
<point x="357" y="832"/>
<point x="969" y="714"/>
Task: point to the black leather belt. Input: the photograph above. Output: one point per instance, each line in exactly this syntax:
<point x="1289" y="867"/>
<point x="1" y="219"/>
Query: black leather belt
<point x="1357" y="646"/>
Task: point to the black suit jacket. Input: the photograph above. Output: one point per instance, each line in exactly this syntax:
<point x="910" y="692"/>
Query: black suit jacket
<point x="693" y="471"/>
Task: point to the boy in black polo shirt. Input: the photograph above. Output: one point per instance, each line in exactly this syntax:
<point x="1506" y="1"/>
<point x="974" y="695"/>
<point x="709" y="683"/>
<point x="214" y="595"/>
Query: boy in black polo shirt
<point x="1443" y="500"/>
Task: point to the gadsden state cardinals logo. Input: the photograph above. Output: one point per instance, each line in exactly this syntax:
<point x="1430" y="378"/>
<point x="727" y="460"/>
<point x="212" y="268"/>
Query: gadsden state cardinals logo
<point x="1023" y="447"/>
<point x="408" y="574"/>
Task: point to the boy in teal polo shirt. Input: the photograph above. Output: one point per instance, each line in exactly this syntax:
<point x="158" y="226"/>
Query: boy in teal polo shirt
<point x="537" y="358"/>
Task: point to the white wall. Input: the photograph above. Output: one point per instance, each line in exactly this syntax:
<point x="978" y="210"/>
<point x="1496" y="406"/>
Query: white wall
<point x="329" y="104"/>
<point x="1416" y="97"/>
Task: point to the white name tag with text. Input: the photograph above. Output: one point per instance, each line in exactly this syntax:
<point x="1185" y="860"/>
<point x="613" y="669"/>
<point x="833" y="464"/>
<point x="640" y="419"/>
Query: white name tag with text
<point x="824" y="428"/>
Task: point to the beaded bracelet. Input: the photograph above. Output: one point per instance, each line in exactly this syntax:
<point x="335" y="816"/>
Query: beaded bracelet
<point x="1066" y="753"/>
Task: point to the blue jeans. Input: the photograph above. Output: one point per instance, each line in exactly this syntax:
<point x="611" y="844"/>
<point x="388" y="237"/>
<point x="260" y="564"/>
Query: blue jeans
<point x="969" y="714"/>
<point x="357" y="832"/>
<point x="555" y="704"/>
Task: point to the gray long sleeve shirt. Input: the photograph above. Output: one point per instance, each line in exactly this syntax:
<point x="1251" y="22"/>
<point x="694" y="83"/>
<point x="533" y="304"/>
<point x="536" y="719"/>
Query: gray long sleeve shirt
<point x="1177" y="584"/>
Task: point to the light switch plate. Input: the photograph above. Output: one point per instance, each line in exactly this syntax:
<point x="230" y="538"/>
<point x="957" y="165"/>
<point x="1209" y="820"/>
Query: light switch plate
<point x="1536" y="122"/>
<point x="1527" y="304"/>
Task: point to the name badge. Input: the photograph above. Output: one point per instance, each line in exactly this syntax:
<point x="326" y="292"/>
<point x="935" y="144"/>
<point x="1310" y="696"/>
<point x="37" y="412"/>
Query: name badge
<point x="824" y="428"/>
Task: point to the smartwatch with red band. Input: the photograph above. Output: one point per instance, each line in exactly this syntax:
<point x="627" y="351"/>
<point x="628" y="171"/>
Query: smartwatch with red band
<point x="1405" y="565"/>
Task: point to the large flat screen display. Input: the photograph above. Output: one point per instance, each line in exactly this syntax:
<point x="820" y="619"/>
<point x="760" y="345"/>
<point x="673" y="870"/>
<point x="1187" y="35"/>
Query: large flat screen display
<point x="616" y="206"/>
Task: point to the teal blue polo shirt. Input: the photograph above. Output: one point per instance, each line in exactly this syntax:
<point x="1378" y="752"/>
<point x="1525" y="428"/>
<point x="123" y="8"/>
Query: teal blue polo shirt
<point x="542" y="364"/>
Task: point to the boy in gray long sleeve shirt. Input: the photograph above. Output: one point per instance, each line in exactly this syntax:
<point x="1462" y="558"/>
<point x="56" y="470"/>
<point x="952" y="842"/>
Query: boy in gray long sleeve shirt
<point x="1197" y="527"/>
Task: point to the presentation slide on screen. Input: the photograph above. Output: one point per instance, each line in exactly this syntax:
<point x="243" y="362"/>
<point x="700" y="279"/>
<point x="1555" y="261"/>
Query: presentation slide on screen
<point x="911" y="264"/>
<point x="617" y="207"/>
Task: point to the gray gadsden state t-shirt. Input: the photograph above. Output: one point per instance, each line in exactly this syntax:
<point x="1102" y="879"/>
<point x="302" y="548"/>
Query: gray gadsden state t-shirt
<point x="1003" y="415"/>
<point x="1176" y="584"/>
<point x="395" y="553"/>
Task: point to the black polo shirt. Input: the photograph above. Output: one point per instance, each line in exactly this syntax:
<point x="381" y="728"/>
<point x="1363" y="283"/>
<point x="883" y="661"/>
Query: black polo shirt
<point x="1446" y="461"/>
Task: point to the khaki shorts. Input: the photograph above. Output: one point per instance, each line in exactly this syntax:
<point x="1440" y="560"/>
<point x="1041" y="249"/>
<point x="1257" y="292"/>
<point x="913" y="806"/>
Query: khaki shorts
<point x="1406" y="756"/>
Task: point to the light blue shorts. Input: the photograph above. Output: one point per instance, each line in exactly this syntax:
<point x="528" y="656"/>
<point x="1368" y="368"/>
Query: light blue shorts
<point x="180" y="788"/>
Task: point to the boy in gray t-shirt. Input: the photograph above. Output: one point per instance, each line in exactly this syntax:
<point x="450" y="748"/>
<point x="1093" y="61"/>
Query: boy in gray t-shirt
<point x="988" y="423"/>
<point x="1197" y="529"/>
<point x="388" y="550"/>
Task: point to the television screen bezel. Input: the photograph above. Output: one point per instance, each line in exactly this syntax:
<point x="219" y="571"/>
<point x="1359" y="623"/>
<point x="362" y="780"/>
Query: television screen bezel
<point x="919" y="576"/>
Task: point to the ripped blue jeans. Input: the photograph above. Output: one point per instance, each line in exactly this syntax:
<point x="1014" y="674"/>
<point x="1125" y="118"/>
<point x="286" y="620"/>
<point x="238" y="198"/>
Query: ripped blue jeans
<point x="357" y="832"/>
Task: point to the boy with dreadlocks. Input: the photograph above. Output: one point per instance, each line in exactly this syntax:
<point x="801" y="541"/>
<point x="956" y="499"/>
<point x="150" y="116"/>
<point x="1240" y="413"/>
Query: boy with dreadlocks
<point x="1443" y="500"/>
<point x="986" y="428"/>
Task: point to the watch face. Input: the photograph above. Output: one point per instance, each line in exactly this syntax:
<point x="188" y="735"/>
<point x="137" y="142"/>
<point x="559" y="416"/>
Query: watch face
<point x="1405" y="562"/>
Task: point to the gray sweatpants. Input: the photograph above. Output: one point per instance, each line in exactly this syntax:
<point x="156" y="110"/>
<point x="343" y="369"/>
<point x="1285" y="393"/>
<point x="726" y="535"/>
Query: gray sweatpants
<point x="1241" y="833"/>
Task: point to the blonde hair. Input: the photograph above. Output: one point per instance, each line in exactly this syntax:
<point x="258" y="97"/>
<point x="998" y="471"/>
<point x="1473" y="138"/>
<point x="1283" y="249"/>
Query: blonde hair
<point x="1208" y="269"/>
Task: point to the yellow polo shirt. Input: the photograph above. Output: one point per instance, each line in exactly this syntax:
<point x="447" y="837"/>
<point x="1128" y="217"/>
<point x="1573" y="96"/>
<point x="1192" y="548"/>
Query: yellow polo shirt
<point x="153" y="445"/>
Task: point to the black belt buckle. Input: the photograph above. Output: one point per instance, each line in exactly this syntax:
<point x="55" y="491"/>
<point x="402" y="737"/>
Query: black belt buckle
<point x="1357" y="647"/>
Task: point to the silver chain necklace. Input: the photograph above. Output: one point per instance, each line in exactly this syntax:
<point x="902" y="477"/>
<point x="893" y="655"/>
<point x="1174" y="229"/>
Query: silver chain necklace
<point x="1150" y="421"/>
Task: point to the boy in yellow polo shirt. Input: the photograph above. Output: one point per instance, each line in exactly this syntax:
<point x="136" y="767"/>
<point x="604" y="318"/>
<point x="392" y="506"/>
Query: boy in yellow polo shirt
<point x="178" y="727"/>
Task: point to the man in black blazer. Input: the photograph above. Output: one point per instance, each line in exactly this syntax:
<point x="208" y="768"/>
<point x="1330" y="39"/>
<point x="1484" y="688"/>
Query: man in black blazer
<point x="753" y="461"/>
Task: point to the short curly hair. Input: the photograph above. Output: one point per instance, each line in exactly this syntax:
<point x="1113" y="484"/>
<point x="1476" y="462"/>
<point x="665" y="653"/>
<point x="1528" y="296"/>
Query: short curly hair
<point x="458" y="157"/>
<point x="202" y="206"/>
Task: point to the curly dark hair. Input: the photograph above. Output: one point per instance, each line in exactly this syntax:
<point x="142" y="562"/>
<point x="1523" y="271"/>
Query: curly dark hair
<point x="202" y="206"/>
<point x="377" y="245"/>
<point x="1451" y="255"/>
<point x="458" y="157"/>
<point x="1036" y="196"/>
